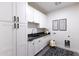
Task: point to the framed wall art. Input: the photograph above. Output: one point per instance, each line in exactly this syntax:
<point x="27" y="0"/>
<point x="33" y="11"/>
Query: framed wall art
<point x="63" y="24"/>
<point x="55" y="25"/>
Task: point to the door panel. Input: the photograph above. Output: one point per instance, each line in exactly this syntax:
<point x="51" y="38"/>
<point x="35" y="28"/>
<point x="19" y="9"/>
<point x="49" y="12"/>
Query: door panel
<point x="21" y="40"/>
<point x="30" y="14"/>
<point x="6" y="11"/>
<point x="7" y="46"/>
<point x="21" y="12"/>
<point x="7" y="32"/>
<point x="31" y="48"/>
<point x="37" y="45"/>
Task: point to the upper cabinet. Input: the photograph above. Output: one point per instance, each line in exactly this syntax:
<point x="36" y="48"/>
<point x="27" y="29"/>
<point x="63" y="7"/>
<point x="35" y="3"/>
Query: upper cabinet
<point x="6" y="11"/>
<point x="43" y="20"/>
<point x="21" y="11"/>
<point x="30" y="14"/>
<point x="37" y="17"/>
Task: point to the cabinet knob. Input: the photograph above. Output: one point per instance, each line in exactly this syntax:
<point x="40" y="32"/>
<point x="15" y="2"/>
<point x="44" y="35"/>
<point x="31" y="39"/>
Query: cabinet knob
<point x="14" y="18"/>
<point x="17" y="19"/>
<point x="33" y="43"/>
<point x="39" y="40"/>
<point x="14" y="25"/>
<point x="17" y="26"/>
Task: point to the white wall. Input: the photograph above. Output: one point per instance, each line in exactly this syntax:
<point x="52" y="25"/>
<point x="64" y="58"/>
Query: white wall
<point x="72" y="15"/>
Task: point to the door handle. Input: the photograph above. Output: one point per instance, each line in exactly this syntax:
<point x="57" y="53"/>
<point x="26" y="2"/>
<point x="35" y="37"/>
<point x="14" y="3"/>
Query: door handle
<point x="17" y="25"/>
<point x="14" y="18"/>
<point x="17" y="19"/>
<point x="14" y="22"/>
<point x="17" y="22"/>
<point x="39" y="40"/>
<point x="33" y="43"/>
<point x="14" y="25"/>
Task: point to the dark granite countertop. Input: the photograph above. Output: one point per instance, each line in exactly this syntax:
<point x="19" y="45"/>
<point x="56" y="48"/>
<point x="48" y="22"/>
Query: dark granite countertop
<point x="31" y="38"/>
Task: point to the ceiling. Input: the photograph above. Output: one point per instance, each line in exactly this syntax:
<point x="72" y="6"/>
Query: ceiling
<point x="47" y="7"/>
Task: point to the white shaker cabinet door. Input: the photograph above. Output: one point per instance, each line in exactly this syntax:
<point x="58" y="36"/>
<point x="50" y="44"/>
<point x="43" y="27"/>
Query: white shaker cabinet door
<point x="31" y="48"/>
<point x="21" y="40"/>
<point x="21" y="31"/>
<point x="7" y="41"/>
<point x="7" y="32"/>
<point x="21" y="11"/>
<point x="30" y="14"/>
<point x="6" y="11"/>
<point x="37" y="45"/>
<point x="36" y="16"/>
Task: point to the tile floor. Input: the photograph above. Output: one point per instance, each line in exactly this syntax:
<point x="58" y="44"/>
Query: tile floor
<point x="47" y="51"/>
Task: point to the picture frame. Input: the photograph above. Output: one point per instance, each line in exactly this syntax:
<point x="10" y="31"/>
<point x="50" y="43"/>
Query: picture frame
<point x="63" y="24"/>
<point x="55" y="26"/>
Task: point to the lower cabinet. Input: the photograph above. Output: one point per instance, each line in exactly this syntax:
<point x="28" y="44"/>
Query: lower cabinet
<point x="31" y="48"/>
<point x="38" y="44"/>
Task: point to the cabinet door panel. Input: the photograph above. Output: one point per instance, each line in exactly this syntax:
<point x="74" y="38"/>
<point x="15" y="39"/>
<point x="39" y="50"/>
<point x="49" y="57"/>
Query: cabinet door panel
<point x="37" y="45"/>
<point x="42" y="20"/>
<point x="21" y="40"/>
<point x="21" y="11"/>
<point x="30" y="14"/>
<point x="31" y="48"/>
<point x="7" y="45"/>
<point x="6" y="9"/>
<point x="36" y="16"/>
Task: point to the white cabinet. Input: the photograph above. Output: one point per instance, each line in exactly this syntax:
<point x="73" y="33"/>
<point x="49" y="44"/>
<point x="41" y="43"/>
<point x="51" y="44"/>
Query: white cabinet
<point x="21" y="31"/>
<point x="38" y="44"/>
<point x="30" y="14"/>
<point x="45" y="40"/>
<point x="43" y="20"/>
<point x="7" y="33"/>
<point x="21" y="11"/>
<point x="21" y="40"/>
<point x="37" y="17"/>
<point x="31" y="48"/>
<point x="7" y="45"/>
<point x="12" y="40"/>
<point x="6" y="11"/>
<point x="40" y="18"/>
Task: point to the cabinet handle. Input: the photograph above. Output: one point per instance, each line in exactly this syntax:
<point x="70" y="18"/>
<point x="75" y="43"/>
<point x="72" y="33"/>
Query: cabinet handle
<point x="17" y="26"/>
<point x="33" y="43"/>
<point x="17" y="19"/>
<point x="14" y="25"/>
<point x="39" y="40"/>
<point x="14" y="18"/>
